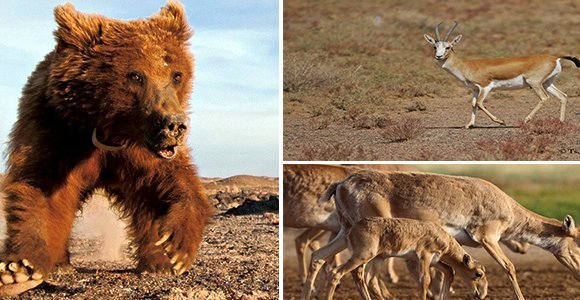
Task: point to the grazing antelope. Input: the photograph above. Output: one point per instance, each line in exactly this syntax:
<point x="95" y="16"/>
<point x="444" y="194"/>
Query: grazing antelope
<point x="474" y="211"/>
<point x="303" y="185"/>
<point x="421" y="241"/>
<point x="483" y="75"/>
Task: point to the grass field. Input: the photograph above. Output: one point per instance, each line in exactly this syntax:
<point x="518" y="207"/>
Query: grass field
<point x="550" y="190"/>
<point x="351" y="69"/>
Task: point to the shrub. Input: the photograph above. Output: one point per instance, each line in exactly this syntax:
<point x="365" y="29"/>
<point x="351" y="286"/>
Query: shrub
<point x="516" y="148"/>
<point x="403" y="130"/>
<point x="546" y="126"/>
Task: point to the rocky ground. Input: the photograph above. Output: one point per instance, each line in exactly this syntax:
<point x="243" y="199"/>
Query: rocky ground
<point x="238" y="258"/>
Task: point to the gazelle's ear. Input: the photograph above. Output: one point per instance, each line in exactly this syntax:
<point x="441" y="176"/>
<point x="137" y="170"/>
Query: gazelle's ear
<point x="429" y="39"/>
<point x="569" y="226"/>
<point x="467" y="259"/>
<point x="456" y="40"/>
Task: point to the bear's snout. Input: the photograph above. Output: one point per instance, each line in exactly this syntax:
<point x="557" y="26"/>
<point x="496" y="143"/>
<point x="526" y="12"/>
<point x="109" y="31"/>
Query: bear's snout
<point x="174" y="125"/>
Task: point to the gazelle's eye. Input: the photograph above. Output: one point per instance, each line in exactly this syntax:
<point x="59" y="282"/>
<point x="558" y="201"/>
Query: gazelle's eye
<point x="447" y="48"/>
<point x="434" y="47"/>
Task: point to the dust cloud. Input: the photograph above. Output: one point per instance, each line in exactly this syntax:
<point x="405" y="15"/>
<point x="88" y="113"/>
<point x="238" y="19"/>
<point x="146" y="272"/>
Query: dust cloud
<point x="97" y="221"/>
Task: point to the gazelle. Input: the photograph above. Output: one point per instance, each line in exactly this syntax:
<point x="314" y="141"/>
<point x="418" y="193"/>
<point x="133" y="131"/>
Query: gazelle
<point x="474" y="211"/>
<point x="483" y="75"/>
<point x="303" y="184"/>
<point x="421" y="241"/>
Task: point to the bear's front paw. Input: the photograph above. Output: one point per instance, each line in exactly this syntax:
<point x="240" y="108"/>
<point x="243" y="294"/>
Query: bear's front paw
<point x="17" y="277"/>
<point x="176" y="250"/>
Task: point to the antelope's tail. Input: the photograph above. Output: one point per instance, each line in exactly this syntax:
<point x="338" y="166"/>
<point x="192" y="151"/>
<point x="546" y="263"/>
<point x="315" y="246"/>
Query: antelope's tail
<point x="330" y="191"/>
<point x="573" y="59"/>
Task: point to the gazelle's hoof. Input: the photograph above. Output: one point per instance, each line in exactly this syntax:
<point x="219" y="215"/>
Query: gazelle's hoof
<point x="469" y="125"/>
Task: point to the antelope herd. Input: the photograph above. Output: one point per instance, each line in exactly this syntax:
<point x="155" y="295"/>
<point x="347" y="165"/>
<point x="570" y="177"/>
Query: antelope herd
<point x="419" y="217"/>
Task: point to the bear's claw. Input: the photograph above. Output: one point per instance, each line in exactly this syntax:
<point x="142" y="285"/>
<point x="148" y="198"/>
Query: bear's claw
<point x="18" y="277"/>
<point x="176" y="259"/>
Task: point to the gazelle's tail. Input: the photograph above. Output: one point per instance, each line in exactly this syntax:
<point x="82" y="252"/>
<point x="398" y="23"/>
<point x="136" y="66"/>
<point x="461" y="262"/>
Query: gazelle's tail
<point x="330" y="191"/>
<point x="573" y="59"/>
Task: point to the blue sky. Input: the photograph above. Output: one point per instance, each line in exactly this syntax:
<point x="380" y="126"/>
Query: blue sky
<point x="235" y="98"/>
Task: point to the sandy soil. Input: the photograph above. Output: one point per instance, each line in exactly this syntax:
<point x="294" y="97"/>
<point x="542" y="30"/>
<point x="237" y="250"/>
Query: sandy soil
<point x="539" y="274"/>
<point x="444" y="138"/>
<point x="370" y="59"/>
<point x="238" y="259"/>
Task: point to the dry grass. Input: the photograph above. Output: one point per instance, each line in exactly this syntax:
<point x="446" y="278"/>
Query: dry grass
<point x="525" y="148"/>
<point x="403" y="130"/>
<point x="304" y="72"/>
<point x="373" y="61"/>
<point x="551" y="126"/>
<point x="338" y="151"/>
<point x="372" y="122"/>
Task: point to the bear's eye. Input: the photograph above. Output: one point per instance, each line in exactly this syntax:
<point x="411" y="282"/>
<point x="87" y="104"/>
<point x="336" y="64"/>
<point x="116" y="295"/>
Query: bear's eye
<point x="177" y="77"/>
<point x="136" y="77"/>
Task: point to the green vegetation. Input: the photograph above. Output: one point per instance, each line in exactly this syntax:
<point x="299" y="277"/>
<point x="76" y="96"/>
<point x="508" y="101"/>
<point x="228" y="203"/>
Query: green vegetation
<point x="549" y="190"/>
<point x="551" y="201"/>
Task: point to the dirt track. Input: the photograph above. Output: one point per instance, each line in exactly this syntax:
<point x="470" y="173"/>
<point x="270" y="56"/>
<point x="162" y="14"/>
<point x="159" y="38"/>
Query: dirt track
<point x="444" y="138"/>
<point x="539" y="274"/>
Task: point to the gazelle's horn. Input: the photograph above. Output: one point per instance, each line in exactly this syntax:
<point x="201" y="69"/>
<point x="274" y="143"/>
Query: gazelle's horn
<point x="450" y="31"/>
<point x="105" y="147"/>
<point x="437" y="31"/>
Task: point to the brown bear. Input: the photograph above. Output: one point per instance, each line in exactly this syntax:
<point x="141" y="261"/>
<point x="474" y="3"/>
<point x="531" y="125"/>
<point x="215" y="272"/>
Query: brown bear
<point x="106" y="109"/>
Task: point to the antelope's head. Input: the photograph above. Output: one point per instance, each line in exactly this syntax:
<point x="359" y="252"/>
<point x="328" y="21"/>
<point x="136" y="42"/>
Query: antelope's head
<point x="442" y="47"/>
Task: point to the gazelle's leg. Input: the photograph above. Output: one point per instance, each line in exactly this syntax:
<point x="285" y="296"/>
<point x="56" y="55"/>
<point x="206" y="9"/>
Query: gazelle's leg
<point x="517" y="247"/>
<point x="320" y="257"/>
<point x="356" y="260"/>
<point x="539" y="89"/>
<point x="303" y="241"/>
<point x="375" y="279"/>
<point x="474" y="108"/>
<point x="447" y="279"/>
<point x="358" y="276"/>
<point x="483" y="91"/>
<point x="552" y="89"/>
<point x="492" y="247"/>
<point x="425" y="273"/>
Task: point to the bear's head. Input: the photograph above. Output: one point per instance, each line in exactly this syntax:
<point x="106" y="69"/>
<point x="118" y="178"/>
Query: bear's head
<point x="127" y="82"/>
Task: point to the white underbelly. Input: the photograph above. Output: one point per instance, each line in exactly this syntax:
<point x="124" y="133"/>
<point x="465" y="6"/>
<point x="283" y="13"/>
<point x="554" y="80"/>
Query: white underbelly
<point x="510" y="84"/>
<point x="461" y="236"/>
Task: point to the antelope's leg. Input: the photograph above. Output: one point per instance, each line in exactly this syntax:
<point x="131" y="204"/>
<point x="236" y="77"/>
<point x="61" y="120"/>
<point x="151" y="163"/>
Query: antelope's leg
<point x="302" y="242"/>
<point x="482" y="94"/>
<point x="319" y="258"/>
<point x="541" y="92"/>
<point x="474" y="109"/>
<point x="552" y="89"/>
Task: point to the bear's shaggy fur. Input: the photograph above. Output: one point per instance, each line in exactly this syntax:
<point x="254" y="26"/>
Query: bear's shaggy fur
<point x="107" y="109"/>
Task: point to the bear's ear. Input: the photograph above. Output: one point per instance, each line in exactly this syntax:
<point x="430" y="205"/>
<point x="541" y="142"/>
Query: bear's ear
<point x="76" y="29"/>
<point x="172" y="18"/>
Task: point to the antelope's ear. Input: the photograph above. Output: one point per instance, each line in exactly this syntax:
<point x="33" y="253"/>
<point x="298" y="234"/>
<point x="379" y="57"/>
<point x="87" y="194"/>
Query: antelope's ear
<point x="569" y="226"/>
<point x="456" y="39"/>
<point x="467" y="259"/>
<point x="429" y="39"/>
